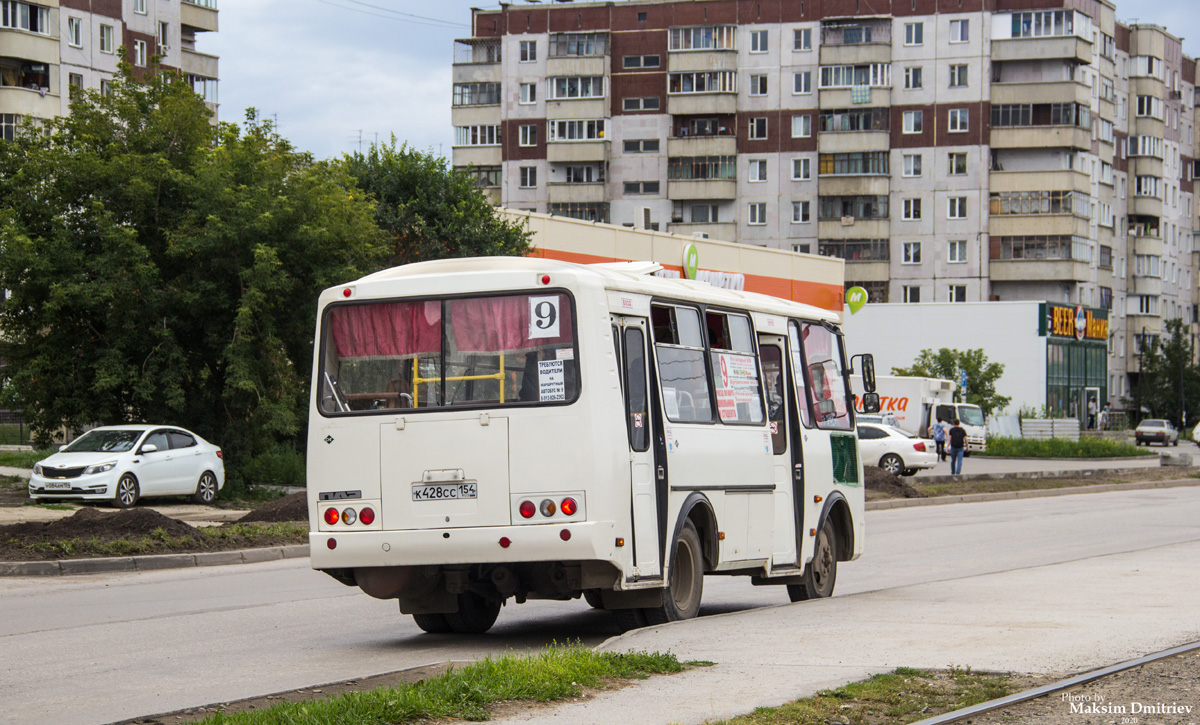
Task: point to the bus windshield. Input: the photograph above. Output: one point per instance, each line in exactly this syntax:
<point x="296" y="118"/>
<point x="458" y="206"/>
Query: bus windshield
<point x="465" y="351"/>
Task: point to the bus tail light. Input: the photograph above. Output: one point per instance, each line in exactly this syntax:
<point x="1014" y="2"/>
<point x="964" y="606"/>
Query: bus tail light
<point x="919" y="447"/>
<point x="331" y="517"/>
<point x="349" y="516"/>
<point x="565" y="534"/>
<point x="505" y="542"/>
<point x="568" y="506"/>
<point x="367" y="516"/>
<point x="331" y="543"/>
<point x="528" y="509"/>
<point x="548" y="507"/>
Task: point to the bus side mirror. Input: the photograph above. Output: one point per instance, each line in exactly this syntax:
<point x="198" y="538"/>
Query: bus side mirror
<point x="870" y="403"/>
<point x="866" y="361"/>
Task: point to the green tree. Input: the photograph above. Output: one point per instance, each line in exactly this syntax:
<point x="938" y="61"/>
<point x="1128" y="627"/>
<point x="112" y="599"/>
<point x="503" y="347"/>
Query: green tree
<point x="1168" y="369"/>
<point x="164" y="269"/>
<point x="429" y="210"/>
<point x="946" y="364"/>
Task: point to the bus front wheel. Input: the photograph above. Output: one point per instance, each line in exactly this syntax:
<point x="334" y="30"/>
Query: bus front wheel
<point x="821" y="573"/>
<point x="685" y="586"/>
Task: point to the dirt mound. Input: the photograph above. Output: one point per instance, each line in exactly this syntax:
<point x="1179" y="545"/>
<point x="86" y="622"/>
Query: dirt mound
<point x="890" y="484"/>
<point x="293" y="507"/>
<point x="88" y="522"/>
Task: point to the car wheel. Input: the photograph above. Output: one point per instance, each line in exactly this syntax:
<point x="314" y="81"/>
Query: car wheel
<point x="432" y="623"/>
<point x="685" y="588"/>
<point x="892" y="463"/>
<point x="206" y="489"/>
<point x="592" y="597"/>
<point x="1175" y="442"/>
<point x="821" y="573"/>
<point x="127" y="493"/>
<point x="475" y="614"/>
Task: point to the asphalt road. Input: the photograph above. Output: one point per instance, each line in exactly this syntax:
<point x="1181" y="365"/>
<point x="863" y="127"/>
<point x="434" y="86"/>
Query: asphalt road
<point x="106" y="647"/>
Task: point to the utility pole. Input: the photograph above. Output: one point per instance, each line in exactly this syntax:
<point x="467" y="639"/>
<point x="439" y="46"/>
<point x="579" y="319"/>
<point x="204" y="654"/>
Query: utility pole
<point x="1137" y="413"/>
<point x="1182" y="412"/>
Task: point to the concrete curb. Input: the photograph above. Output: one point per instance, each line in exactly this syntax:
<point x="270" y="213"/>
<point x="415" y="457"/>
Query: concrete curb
<point x="900" y="503"/>
<point x="151" y="563"/>
<point x="1069" y="473"/>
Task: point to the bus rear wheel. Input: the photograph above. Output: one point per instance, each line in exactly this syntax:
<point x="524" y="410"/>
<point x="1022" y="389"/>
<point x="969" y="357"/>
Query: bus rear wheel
<point x="821" y="573"/>
<point x="685" y="586"/>
<point x="475" y="614"/>
<point x="432" y="623"/>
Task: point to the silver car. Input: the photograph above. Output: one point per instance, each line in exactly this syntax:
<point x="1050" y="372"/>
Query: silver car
<point x="123" y="463"/>
<point x="1155" y="430"/>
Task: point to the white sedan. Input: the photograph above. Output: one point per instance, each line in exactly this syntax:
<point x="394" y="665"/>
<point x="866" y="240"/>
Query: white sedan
<point x="896" y="451"/>
<point x="123" y="463"/>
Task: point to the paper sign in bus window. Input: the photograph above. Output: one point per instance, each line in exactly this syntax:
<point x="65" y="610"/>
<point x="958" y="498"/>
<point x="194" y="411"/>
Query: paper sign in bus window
<point x="551" y="380"/>
<point x="543" y="317"/>
<point x="737" y="388"/>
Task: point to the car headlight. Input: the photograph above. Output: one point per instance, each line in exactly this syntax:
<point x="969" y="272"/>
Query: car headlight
<point x="99" y="468"/>
<point x="37" y="468"/>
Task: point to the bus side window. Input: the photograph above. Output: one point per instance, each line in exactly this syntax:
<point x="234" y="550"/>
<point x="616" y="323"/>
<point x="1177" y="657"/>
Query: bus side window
<point x="637" y="410"/>
<point x="799" y="367"/>
<point x="679" y="347"/>
<point x="772" y="362"/>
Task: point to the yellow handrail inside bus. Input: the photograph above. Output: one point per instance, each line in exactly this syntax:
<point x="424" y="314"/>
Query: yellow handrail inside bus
<point x="417" y="379"/>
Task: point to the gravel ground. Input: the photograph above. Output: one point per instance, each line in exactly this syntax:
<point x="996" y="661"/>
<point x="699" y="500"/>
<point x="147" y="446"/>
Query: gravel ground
<point x="1165" y="692"/>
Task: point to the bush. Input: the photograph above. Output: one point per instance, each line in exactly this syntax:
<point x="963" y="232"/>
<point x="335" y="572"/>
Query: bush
<point x="1059" y="448"/>
<point x="280" y="466"/>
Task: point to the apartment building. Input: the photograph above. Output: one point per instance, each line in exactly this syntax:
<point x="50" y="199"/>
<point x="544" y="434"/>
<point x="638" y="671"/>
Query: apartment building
<point x="948" y="151"/>
<point x="49" y="46"/>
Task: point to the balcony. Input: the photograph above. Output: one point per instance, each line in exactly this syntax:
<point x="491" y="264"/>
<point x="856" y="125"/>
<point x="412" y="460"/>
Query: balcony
<point x="869" y="270"/>
<point x="475" y="116"/>
<point x="577" y="66"/>
<point x="577" y="108"/>
<point x="29" y="102"/>
<point x="855" y="185"/>
<point x="1021" y="137"/>
<point x="1038" y="270"/>
<point x="1069" y="46"/>
<point x="1020" y="92"/>
<point x="1020" y="225"/>
<point x="1145" y="206"/>
<point x="200" y="64"/>
<point x="846" y="141"/>
<point x="1146" y="86"/>
<point x="199" y="15"/>
<point x="854" y="229"/>
<point x="576" y="193"/>
<point x="476" y="155"/>
<point x="477" y="51"/>
<point x="23" y="45"/>
<point x="1145" y="284"/>
<point x="1145" y="166"/>
<point x="562" y="151"/>
<point x="715" y="145"/>
<point x="856" y="54"/>
<point x="722" y="231"/>
<point x="702" y="189"/>
<point x="695" y="104"/>
<point x="1146" y="245"/>
<point x="701" y="60"/>
<point x="477" y="73"/>
<point x="833" y="98"/>
<point x="1001" y="181"/>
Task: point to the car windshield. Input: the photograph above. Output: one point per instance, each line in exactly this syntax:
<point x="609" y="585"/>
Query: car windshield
<point x="970" y="415"/>
<point x="104" y="441"/>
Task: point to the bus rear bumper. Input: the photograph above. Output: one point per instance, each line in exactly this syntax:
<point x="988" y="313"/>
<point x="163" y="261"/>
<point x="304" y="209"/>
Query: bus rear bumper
<point x="584" y="541"/>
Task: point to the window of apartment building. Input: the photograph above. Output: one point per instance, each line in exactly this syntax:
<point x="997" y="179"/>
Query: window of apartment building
<point x="1146" y="146"/>
<point x="528" y="135"/>
<point x="959" y="119"/>
<point x="958" y="76"/>
<point x="958" y="163"/>
<point x="802" y="248"/>
<point x="528" y="93"/>
<point x="1104" y="130"/>
<point x="957" y="208"/>
<point x="1106" y="257"/>
<point x="8" y="125"/>
<point x="482" y="175"/>
<point x="1147" y="186"/>
<point x="477" y="135"/>
<point x="1150" y="106"/>
<point x="912" y="77"/>
<point x="758" y="169"/>
<point x="641" y="146"/>
<point x="74" y="32"/>
<point x="581" y="130"/>
<point x="1147" y="265"/>
<point x="105" y="87"/>
<point x="139" y="53"/>
<point x="1045" y="23"/>
<point x="528" y="177"/>
<point x="1147" y="304"/>
<point x="106" y="39"/>
<point x="857" y="207"/>
<point x="164" y="34"/>
<point x="855" y="119"/>
<point x="577" y="87"/>
<point x="1105" y="300"/>
<point x="801" y="169"/>
<point x="912" y="209"/>
<point x="697" y="213"/>
<point x="708" y="37"/>
<point x="758" y="41"/>
<point x="578" y="44"/>
<point x="854" y="163"/>
<point x="802" y="82"/>
<point x="648" y="103"/>
<point x="641" y="187"/>
<point x="914" y="33"/>
<point x="912" y="165"/>
<point x="801" y="126"/>
<point x="960" y="31"/>
<point x="758" y="84"/>
<point x="956" y="292"/>
<point x="802" y="39"/>
<point x="912" y="293"/>
<point x="911" y="252"/>
<point x="1012" y="115"/>
<point x="24" y="16"/>
<point x="75" y="80"/>
<point x="139" y="6"/>
<point x="528" y="51"/>
<point x="956" y="250"/>
<point x="801" y="212"/>
<point x="642" y="61"/>
<point x="475" y="94"/>
<point x="757" y="213"/>
<point x="758" y="127"/>
<point x="876" y="75"/>
<point x="713" y="81"/>
<point x="912" y="121"/>
<point x="699" y="168"/>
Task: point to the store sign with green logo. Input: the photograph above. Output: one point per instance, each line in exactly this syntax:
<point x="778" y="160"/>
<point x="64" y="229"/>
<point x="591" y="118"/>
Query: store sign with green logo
<point x="856" y="297"/>
<point x="691" y="261"/>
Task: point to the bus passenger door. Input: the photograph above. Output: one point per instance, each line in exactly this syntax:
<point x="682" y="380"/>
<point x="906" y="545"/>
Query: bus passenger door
<point x="787" y="472"/>
<point x="640" y="426"/>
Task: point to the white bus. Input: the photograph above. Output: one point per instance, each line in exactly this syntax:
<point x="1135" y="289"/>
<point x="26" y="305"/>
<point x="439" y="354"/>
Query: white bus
<point x="486" y="429"/>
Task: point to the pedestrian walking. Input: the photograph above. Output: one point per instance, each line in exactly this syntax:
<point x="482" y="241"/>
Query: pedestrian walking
<point x="1091" y="411"/>
<point x="939" y="437"/>
<point x="958" y="446"/>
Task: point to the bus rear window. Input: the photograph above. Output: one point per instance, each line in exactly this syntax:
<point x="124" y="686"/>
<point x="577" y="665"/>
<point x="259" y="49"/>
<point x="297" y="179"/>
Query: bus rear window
<point x="471" y="351"/>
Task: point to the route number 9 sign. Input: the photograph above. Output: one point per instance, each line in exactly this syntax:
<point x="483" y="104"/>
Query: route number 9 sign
<point x="543" y="317"/>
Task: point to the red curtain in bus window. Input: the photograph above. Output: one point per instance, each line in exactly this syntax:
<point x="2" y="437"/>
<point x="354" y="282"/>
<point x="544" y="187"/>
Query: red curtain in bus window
<point x="396" y="329"/>
<point x="501" y="324"/>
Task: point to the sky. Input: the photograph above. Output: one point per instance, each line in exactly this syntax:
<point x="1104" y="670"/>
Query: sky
<point x="337" y="75"/>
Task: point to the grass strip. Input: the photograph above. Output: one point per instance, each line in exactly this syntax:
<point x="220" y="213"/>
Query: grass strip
<point x="556" y="673"/>
<point x="902" y="696"/>
<point x="1060" y="448"/>
<point x="24" y="459"/>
